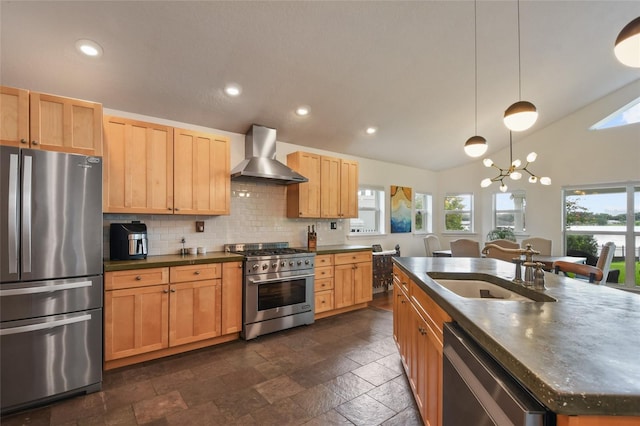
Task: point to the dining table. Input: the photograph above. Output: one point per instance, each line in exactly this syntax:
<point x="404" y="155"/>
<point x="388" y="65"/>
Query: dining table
<point x="547" y="261"/>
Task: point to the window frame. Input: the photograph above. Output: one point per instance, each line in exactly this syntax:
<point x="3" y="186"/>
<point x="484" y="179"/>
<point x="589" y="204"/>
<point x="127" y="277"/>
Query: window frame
<point x="379" y="210"/>
<point x="470" y="211"/>
<point x="428" y="211"/>
<point x="521" y="212"/>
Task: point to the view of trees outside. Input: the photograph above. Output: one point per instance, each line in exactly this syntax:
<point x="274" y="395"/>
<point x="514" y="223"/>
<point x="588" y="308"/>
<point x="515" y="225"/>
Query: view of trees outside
<point x="457" y="212"/>
<point x="596" y="216"/>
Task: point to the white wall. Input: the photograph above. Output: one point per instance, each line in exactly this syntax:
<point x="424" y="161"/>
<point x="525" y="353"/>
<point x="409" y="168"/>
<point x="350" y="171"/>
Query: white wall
<point x="258" y="211"/>
<point x="569" y="153"/>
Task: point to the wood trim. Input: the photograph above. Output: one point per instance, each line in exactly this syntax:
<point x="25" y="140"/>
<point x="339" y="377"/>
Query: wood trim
<point x="563" y="420"/>
<point x="110" y="365"/>
<point x="341" y="310"/>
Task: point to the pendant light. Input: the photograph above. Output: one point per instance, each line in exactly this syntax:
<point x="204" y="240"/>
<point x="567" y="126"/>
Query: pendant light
<point x="476" y="145"/>
<point x="627" y="48"/>
<point x="513" y="171"/>
<point x="522" y="114"/>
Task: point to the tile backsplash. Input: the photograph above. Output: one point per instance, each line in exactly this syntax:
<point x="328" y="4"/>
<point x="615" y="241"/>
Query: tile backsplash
<point x="258" y="214"/>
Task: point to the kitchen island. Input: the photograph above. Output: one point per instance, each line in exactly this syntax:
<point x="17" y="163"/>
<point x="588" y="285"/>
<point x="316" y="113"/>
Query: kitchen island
<point x="578" y="355"/>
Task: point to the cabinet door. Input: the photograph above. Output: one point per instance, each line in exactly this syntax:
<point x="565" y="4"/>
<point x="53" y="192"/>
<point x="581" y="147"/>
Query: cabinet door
<point x="343" y="286"/>
<point x="136" y="321"/>
<point x="329" y="187"/>
<point x="363" y="282"/>
<point x="65" y="124"/>
<point x="14" y="116"/>
<point x="303" y="199"/>
<point x="402" y="312"/>
<point x="202" y="182"/>
<point x="348" y="189"/>
<point x="138" y="167"/>
<point x="231" y="297"/>
<point x="323" y="301"/>
<point x="194" y="311"/>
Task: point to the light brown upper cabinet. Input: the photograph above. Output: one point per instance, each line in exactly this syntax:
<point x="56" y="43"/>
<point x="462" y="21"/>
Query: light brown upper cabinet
<point x="201" y="173"/>
<point x="55" y="123"/>
<point x="138" y="167"/>
<point x="303" y="199"/>
<point x="337" y="188"/>
<point x="151" y="168"/>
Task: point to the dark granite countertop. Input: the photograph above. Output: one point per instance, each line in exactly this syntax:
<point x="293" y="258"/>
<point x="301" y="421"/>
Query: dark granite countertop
<point x="341" y="248"/>
<point x="579" y="355"/>
<point x="171" y="260"/>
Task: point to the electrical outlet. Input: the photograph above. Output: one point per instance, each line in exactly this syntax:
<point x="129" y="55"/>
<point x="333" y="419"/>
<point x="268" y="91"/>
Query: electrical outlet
<point x="199" y="226"/>
<point x="334" y="225"/>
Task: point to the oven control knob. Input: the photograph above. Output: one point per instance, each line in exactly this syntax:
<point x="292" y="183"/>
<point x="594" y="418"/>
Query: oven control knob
<point x="274" y="265"/>
<point x="306" y="262"/>
<point x="299" y="262"/>
<point x="291" y="263"/>
<point x="283" y="263"/>
<point x="255" y="267"/>
<point x="265" y="266"/>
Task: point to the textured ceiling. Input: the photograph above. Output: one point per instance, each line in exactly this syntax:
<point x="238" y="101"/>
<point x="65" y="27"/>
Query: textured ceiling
<point x="405" y="67"/>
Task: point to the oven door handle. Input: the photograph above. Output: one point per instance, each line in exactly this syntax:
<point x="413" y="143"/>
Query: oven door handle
<point x="270" y="280"/>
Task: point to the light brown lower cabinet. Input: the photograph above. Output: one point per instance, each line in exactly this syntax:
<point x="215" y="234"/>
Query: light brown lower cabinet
<point x="150" y="313"/>
<point x="417" y="325"/>
<point x="343" y="282"/>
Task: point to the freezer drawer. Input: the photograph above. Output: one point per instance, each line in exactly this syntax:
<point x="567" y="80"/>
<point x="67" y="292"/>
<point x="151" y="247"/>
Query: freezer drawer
<point x="43" y="298"/>
<point x="45" y="357"/>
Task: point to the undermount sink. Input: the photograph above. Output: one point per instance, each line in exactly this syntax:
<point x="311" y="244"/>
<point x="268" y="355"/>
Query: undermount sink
<point x="486" y="287"/>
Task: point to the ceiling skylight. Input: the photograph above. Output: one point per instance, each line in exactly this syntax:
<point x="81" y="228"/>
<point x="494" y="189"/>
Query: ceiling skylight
<point x="628" y="114"/>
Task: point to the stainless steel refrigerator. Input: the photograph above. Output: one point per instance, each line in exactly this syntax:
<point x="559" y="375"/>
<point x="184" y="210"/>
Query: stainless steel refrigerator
<point x="50" y="276"/>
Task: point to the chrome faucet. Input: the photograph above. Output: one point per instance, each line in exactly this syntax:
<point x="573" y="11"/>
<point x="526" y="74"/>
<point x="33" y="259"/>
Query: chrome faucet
<point x="529" y="264"/>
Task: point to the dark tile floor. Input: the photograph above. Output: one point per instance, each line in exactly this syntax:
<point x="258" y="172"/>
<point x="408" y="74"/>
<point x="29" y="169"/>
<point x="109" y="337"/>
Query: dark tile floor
<point x="342" y="370"/>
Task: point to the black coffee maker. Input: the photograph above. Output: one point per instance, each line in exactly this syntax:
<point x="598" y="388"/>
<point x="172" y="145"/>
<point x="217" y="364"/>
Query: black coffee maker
<point x="128" y="241"/>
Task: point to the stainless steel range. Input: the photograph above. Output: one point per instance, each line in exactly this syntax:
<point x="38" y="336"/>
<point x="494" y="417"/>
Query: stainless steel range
<point x="278" y="287"/>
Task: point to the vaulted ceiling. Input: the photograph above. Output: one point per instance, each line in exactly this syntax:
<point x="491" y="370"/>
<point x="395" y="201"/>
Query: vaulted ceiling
<point x="406" y="68"/>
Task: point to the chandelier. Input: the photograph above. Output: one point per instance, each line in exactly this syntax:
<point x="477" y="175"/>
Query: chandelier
<point x="514" y="171"/>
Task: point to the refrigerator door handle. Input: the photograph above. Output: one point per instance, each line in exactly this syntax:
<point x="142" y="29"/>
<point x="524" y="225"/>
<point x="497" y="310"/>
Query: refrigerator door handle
<point x="44" y="289"/>
<point x="12" y="214"/>
<point x="26" y="213"/>
<point x="44" y="325"/>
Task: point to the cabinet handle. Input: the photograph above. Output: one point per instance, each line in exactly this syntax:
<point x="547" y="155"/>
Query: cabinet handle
<point x="176" y="209"/>
<point x="403" y="301"/>
<point x="173" y="290"/>
<point x="34" y="142"/>
<point x="169" y="208"/>
<point x="197" y="272"/>
<point x="138" y="278"/>
<point x="23" y="141"/>
<point x="165" y="291"/>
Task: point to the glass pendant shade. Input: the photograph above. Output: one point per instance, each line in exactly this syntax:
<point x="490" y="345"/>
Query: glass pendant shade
<point x="545" y="180"/>
<point x="532" y="157"/>
<point x="485" y="182"/>
<point x="520" y="116"/>
<point x="627" y="48"/>
<point x="475" y="146"/>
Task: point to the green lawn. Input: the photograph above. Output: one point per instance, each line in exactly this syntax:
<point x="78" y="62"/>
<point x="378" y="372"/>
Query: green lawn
<point x="620" y="266"/>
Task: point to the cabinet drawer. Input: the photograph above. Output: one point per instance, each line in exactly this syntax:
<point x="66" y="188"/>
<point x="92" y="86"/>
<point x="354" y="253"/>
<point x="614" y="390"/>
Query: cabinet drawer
<point x="353" y="257"/>
<point x="434" y="315"/>
<point x="324" y="260"/>
<point x="135" y="278"/>
<point x="323" y="284"/>
<point x="324" y="301"/>
<point x="186" y="273"/>
<point x="324" y="272"/>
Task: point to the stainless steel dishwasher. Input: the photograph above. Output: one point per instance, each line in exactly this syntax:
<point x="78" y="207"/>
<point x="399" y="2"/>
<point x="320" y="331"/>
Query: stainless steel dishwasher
<point x="478" y="391"/>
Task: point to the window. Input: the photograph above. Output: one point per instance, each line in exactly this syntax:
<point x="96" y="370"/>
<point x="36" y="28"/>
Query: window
<point x="596" y="214"/>
<point x="458" y="213"/>
<point x="628" y="114"/>
<point x="508" y="210"/>
<point x="422" y="213"/>
<point x="370" y="212"/>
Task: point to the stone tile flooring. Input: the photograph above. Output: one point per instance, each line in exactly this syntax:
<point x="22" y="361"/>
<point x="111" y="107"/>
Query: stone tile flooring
<point x="343" y="370"/>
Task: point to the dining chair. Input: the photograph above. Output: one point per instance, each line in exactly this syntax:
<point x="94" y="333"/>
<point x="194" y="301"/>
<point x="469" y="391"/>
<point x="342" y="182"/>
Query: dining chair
<point x="431" y="244"/>
<point x="595" y="274"/>
<point x="542" y="245"/>
<point x="497" y="254"/>
<point x="464" y="247"/>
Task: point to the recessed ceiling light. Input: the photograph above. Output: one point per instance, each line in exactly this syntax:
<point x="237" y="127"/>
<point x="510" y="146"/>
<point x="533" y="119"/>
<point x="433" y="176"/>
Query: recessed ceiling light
<point x="233" y="89"/>
<point x="89" y="48"/>
<point x="303" y="110"/>
<point x="371" y="130"/>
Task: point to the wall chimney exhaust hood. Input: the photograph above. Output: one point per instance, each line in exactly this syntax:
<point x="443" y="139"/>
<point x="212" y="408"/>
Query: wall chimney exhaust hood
<point x="260" y="164"/>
